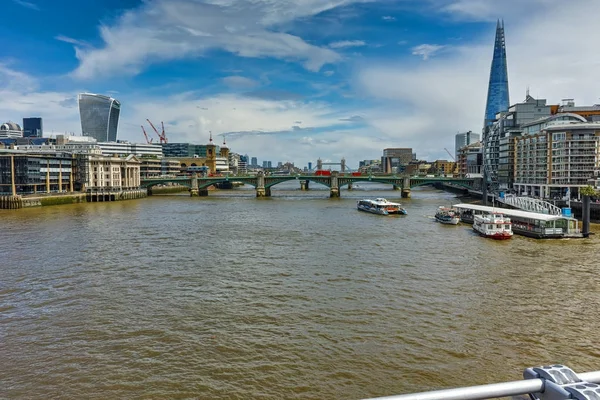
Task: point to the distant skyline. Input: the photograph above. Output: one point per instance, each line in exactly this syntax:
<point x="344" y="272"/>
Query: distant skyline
<point x="301" y="79"/>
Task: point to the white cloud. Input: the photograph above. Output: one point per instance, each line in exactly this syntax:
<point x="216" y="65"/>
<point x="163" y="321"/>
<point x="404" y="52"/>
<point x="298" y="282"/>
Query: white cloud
<point x="240" y="82"/>
<point x="66" y="39"/>
<point x="388" y="18"/>
<point x="19" y="98"/>
<point x="426" y="50"/>
<point x="347" y="43"/>
<point x="163" y="30"/>
<point x="425" y="105"/>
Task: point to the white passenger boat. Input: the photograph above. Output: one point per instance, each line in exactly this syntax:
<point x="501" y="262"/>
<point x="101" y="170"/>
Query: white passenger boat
<point x="493" y="225"/>
<point x="380" y="206"/>
<point x="526" y="223"/>
<point x="448" y="216"/>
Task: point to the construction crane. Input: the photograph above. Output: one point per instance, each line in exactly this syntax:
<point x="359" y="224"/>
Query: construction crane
<point x="162" y="137"/>
<point x="450" y="154"/>
<point x="149" y="141"/>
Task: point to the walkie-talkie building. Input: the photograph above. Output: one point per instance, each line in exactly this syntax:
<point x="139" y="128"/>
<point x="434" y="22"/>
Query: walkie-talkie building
<point x="99" y="116"/>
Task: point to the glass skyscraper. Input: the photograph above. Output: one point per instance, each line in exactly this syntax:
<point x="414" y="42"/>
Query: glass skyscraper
<point x="497" y="98"/>
<point x="99" y="116"/>
<point x="32" y="127"/>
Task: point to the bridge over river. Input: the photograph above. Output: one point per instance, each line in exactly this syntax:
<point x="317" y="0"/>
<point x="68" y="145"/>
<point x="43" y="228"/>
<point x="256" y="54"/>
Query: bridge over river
<point x="263" y="183"/>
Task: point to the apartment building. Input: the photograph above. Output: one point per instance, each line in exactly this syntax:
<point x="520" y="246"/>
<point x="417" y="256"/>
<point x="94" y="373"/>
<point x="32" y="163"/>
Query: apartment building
<point x="557" y="161"/>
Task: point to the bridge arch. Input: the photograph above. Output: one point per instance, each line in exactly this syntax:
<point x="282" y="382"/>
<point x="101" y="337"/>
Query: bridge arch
<point x="280" y="179"/>
<point x="150" y="184"/>
<point x="463" y="184"/>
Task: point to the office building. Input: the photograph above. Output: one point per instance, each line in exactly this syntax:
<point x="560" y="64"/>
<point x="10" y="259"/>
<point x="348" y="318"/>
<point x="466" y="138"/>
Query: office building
<point x="254" y="162"/>
<point x="33" y="127"/>
<point x="464" y="139"/>
<point x="124" y="149"/>
<point x="187" y="150"/>
<point x="99" y="116"/>
<point x="10" y="130"/>
<point x="396" y="159"/>
<point x="35" y="173"/>
<point x="470" y="161"/>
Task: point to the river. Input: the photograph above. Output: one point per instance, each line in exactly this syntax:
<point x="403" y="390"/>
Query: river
<point x="296" y="296"/>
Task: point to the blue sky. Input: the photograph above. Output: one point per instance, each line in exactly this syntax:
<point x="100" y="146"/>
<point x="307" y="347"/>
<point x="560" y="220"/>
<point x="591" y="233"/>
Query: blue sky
<point x="291" y="80"/>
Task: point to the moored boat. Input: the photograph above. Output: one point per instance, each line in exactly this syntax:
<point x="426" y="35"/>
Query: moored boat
<point x="380" y="206"/>
<point x="448" y="216"/>
<point x="493" y="225"/>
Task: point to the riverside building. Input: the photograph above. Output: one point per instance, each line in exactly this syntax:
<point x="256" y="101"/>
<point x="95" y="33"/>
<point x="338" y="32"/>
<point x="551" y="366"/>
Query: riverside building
<point x="499" y="147"/>
<point x="23" y="173"/>
<point x="558" y="160"/>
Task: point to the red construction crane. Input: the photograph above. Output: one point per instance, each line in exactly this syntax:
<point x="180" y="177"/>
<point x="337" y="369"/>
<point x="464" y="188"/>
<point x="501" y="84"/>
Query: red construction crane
<point x="162" y="137"/>
<point x="149" y="141"/>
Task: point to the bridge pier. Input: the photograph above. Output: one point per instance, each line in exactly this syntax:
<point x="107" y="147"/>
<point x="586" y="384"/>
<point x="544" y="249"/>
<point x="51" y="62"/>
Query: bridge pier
<point x="198" y="192"/>
<point x="406" y="188"/>
<point x="350" y="186"/>
<point x="304" y="185"/>
<point x="194" y="191"/>
<point x="334" y="191"/>
<point x="261" y="190"/>
<point x="396" y="187"/>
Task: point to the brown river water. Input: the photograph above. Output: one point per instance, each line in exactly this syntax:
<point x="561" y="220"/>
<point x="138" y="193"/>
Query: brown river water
<point x="296" y="296"/>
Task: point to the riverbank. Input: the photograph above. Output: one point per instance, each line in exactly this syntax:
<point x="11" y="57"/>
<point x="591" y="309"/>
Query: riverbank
<point x="53" y="199"/>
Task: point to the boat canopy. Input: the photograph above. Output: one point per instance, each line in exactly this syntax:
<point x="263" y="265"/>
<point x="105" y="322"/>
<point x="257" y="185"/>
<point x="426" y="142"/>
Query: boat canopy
<point x="510" y="213"/>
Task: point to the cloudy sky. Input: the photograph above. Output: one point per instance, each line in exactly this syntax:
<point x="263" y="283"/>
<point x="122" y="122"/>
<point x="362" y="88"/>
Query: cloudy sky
<point x="292" y="80"/>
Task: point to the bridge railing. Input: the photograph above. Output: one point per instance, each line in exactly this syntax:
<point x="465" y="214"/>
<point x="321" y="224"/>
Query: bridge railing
<point x="554" y="382"/>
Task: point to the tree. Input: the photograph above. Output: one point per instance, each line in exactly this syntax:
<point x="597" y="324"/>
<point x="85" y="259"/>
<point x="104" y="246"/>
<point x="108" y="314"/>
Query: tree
<point x="588" y="191"/>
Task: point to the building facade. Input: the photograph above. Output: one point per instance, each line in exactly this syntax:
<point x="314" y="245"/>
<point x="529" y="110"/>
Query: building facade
<point x="33" y="127"/>
<point x="10" y="130"/>
<point x="395" y="160"/>
<point x="111" y="173"/>
<point x="124" y="149"/>
<point x="22" y="173"/>
<point x="99" y="116"/>
<point x="443" y="167"/>
<point x="464" y="139"/>
<point x="558" y="161"/>
<point x="186" y="150"/>
<point x="499" y="143"/>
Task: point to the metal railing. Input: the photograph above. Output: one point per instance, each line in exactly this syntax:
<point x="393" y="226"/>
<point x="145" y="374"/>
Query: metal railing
<point x="554" y="382"/>
<point x="531" y="204"/>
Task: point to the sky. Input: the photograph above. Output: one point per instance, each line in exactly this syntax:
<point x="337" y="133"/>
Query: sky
<point x="292" y="80"/>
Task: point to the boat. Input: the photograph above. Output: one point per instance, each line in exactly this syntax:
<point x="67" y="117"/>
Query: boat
<point x="526" y="223"/>
<point x="448" y="216"/>
<point x="493" y="225"/>
<point x="380" y="206"/>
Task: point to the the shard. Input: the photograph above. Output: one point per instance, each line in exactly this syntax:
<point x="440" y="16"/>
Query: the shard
<point x="497" y="98"/>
